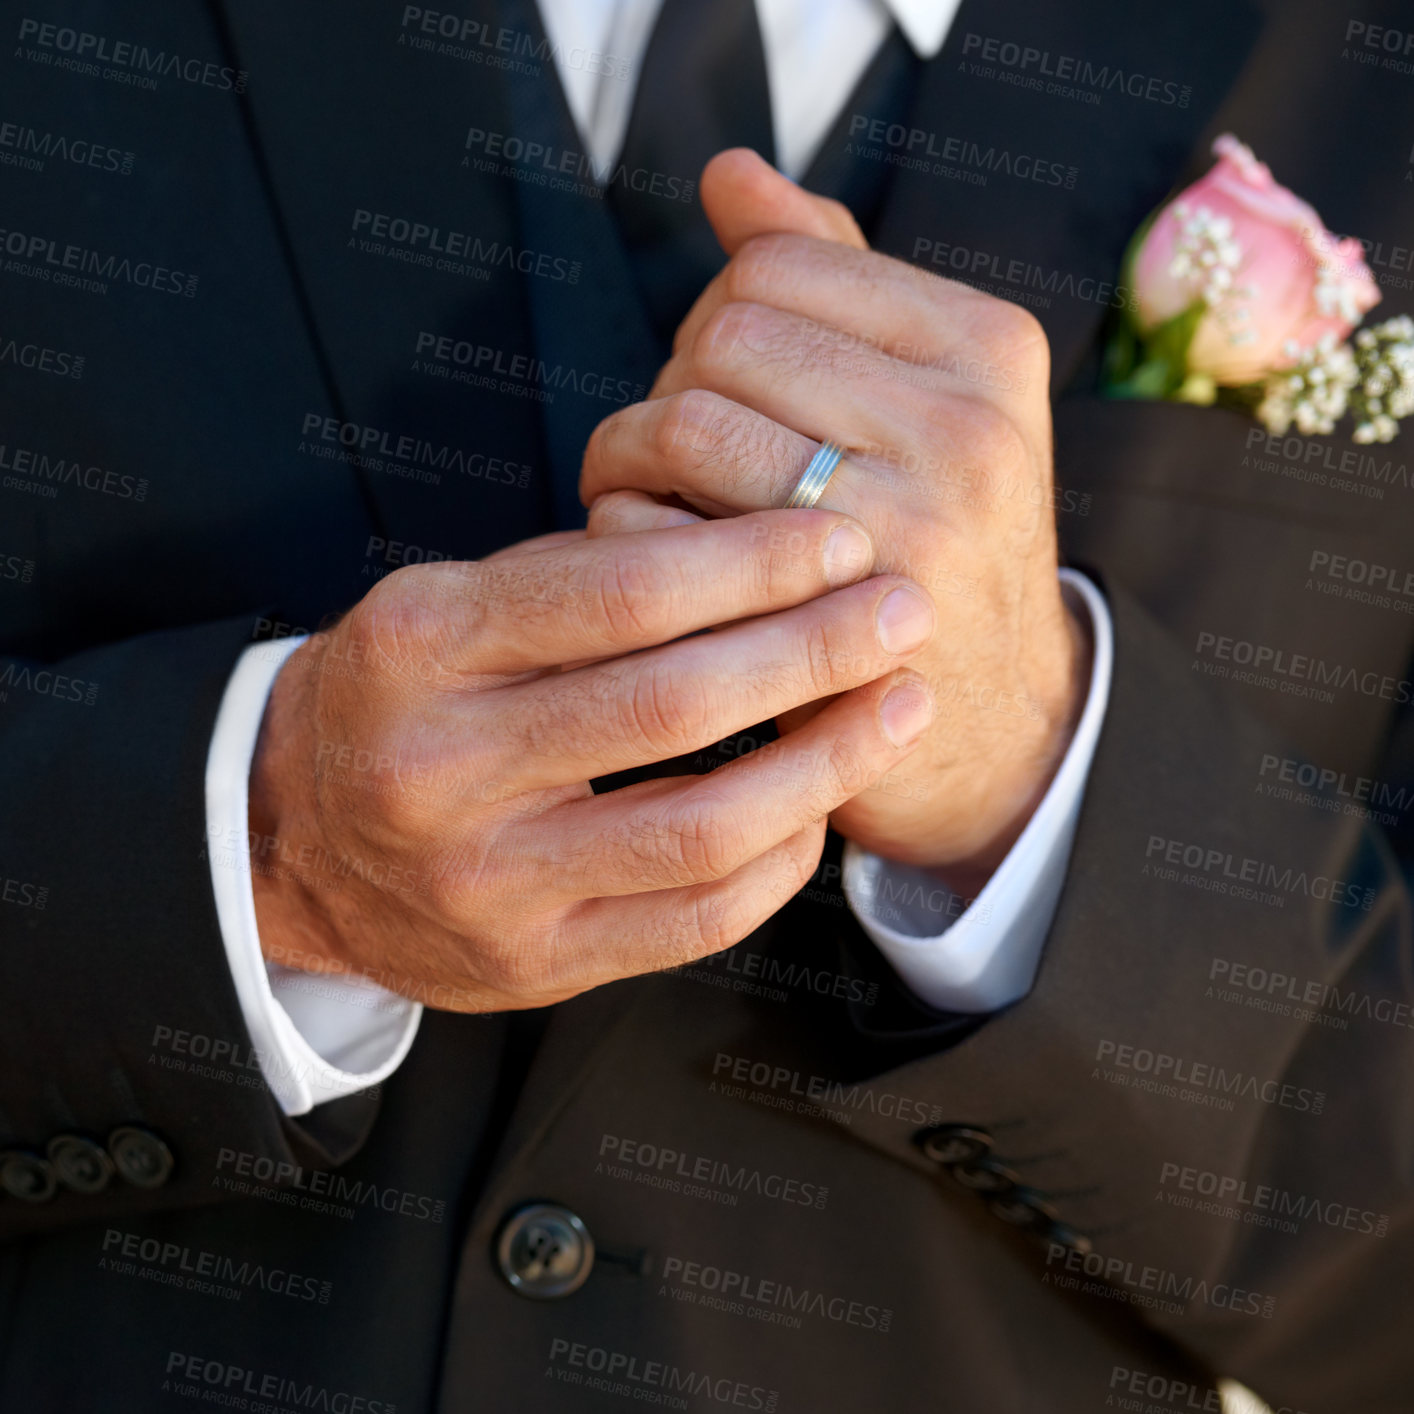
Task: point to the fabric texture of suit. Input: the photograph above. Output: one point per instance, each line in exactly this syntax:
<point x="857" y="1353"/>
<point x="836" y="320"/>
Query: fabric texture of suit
<point x="243" y="516"/>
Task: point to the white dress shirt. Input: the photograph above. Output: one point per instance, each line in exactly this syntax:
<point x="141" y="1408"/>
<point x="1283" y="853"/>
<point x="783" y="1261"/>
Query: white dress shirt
<point x="319" y="1037"/>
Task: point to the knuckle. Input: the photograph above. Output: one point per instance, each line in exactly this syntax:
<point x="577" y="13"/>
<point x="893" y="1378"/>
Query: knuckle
<point x="986" y="431"/>
<point x="828" y="658"/>
<point x="794" y="863"/>
<point x="661" y="715"/>
<point x="610" y="511"/>
<point x="712" y="919"/>
<point x="626" y="601"/>
<point x="1016" y="339"/>
<point x="597" y="449"/>
<point x="450" y="894"/>
<point x="397" y="619"/>
<point x="756" y="268"/>
<point x="689" y="426"/>
<point x="695" y="846"/>
<point x="997" y="439"/>
<point x="845" y="766"/>
<point x="735" y="326"/>
<point x="717" y="920"/>
<point x="516" y="966"/>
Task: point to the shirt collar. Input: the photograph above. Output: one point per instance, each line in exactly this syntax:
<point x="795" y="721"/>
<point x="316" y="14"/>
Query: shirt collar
<point x="925" y="23"/>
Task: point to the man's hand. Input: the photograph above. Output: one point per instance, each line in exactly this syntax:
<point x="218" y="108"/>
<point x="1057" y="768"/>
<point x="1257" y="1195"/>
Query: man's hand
<point x="939" y="396"/>
<point x="420" y="798"/>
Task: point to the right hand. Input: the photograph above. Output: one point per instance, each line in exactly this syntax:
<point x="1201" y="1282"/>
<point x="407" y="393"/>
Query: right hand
<point x="469" y="863"/>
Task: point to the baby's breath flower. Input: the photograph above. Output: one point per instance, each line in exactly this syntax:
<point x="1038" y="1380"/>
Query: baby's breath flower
<point x="1384" y="388"/>
<point x="1314" y="392"/>
<point x="1205" y="254"/>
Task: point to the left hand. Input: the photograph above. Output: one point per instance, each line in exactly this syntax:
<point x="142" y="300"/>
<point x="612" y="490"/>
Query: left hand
<point x="939" y="395"/>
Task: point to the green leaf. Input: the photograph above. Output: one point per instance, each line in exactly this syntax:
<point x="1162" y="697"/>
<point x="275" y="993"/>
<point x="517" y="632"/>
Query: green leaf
<point x="1169" y="341"/>
<point x="1157" y="367"/>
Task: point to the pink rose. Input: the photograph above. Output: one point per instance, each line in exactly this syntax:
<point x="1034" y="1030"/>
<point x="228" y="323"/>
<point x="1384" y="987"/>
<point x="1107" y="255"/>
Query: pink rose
<point x="1274" y="279"/>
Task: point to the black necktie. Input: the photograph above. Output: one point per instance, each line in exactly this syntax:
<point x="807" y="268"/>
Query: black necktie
<point x="702" y="88"/>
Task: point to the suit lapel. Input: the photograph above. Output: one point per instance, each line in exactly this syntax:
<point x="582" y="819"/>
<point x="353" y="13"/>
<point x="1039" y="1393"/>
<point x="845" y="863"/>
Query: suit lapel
<point x="1032" y="194"/>
<point x="597" y="326"/>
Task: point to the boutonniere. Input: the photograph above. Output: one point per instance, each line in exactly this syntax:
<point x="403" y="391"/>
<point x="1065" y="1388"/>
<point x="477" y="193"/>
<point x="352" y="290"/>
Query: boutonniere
<point x="1243" y="298"/>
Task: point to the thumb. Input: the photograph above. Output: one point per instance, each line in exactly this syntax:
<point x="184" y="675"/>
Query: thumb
<point x="744" y="196"/>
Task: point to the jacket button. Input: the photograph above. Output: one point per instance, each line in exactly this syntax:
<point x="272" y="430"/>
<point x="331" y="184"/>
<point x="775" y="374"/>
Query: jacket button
<point x="26" y="1176"/>
<point x="954" y="1143"/>
<point x="79" y="1163"/>
<point x="986" y="1176"/>
<point x="1023" y="1207"/>
<point x="140" y="1156"/>
<point x="544" y="1251"/>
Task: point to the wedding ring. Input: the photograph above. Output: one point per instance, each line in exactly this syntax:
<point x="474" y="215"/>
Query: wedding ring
<point x="815" y="477"/>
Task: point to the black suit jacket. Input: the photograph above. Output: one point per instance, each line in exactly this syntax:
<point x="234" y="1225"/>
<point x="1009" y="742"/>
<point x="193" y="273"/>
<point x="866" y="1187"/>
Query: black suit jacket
<point x="227" y="410"/>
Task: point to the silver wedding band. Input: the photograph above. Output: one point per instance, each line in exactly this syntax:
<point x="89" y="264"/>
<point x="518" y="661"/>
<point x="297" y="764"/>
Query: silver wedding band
<point x="815" y="477"/>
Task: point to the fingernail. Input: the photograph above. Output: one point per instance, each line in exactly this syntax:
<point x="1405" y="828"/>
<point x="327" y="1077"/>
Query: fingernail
<point x="905" y="713"/>
<point x="903" y="620"/>
<point x="849" y="553"/>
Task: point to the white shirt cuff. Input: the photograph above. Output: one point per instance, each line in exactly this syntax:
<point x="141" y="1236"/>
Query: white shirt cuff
<point x="315" y="1036"/>
<point x="978" y="957"/>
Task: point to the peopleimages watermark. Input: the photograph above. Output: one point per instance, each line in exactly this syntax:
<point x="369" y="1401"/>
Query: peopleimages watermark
<point x="1379" y="46"/>
<point x="701" y="1176"/>
<point x="962" y="159"/>
<point x="451" y="251"/>
<point x="1392" y="265"/>
<point x="274" y="857"/>
<point x="798" y="1093"/>
<point x="320" y="1190"/>
<point x="567" y="169"/>
<point x="127" y="61"/>
<point x="1325" y="463"/>
<point x="1226" y="872"/>
<point x="1307" y="999"/>
<point x="905" y="363"/>
<point x="499" y="46"/>
<point x="1066" y="76"/>
<point x="1260" y="1204"/>
<point x="1141" y="1068"/>
<point x="395" y="554"/>
<point x="40" y="358"/>
<point x="759" y="974"/>
<point x="660" y="1382"/>
<point x="1137" y="1386"/>
<point x="42" y="473"/>
<point x="768" y="1300"/>
<point x="1382" y="586"/>
<point x="232" y="1061"/>
<point x="196" y="1269"/>
<point x="981" y="488"/>
<point x="484" y="365"/>
<point x="1324" y="788"/>
<point x="1297" y="674"/>
<point x="45" y="682"/>
<point x="16" y="567"/>
<point x="405" y="455"/>
<point x="30" y="148"/>
<point x="22" y="894"/>
<point x="1153" y="1288"/>
<point x="222" y="1383"/>
<point x="995" y="274"/>
<point x="82" y="267"/>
